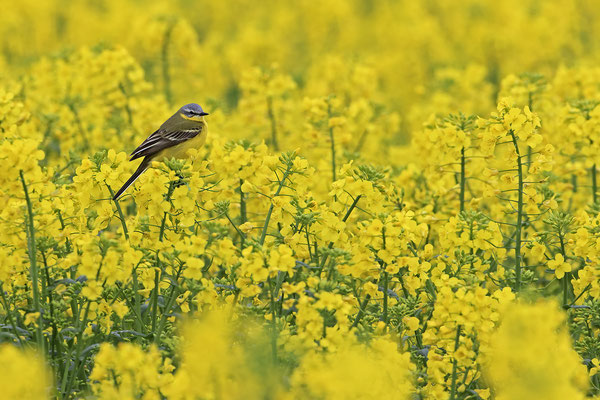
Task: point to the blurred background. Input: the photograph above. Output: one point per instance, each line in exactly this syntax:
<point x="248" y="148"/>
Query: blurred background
<point x="413" y="56"/>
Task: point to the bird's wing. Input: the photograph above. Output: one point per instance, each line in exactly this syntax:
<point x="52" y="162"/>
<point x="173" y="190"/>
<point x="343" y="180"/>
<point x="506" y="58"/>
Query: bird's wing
<point x="162" y="139"/>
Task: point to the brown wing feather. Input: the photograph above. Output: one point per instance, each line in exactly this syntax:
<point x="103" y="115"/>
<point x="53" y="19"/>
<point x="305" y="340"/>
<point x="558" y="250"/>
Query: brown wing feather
<point x="161" y="140"/>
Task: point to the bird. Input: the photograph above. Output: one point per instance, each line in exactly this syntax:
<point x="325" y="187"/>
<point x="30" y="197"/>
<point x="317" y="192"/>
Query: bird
<point x="186" y="129"/>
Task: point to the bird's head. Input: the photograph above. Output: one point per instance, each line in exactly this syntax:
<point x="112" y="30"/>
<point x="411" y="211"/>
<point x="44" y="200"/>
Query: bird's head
<point x="192" y="112"/>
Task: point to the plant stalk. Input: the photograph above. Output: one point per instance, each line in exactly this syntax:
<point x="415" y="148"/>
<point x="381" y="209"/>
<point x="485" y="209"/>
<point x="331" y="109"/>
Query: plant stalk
<point x="518" y="232"/>
<point x="32" y="251"/>
<point x="331" y="137"/>
<point x="263" y="235"/>
<point x="454" y="364"/>
<point x="271" y="114"/>
<point x="462" y="180"/>
<point x="120" y="212"/>
<point x="330" y="246"/>
<point x="594" y="184"/>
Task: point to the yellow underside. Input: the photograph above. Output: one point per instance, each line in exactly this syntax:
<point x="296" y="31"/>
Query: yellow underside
<point x="180" y="150"/>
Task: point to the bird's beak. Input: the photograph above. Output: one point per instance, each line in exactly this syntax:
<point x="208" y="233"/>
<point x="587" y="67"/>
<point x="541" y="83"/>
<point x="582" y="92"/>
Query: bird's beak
<point x="203" y="113"/>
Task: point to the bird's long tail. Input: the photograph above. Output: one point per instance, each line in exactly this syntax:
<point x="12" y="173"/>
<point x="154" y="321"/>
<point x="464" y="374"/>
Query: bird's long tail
<point x="143" y="166"/>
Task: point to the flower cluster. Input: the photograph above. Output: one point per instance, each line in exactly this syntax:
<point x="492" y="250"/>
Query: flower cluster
<point x="383" y="206"/>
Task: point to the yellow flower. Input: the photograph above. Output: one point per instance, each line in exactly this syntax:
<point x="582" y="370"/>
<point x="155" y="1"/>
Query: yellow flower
<point x="282" y="259"/>
<point x="23" y="374"/>
<point x="92" y="290"/>
<point x="355" y="372"/>
<point x="411" y="324"/>
<point x="559" y="265"/>
<point x="531" y="356"/>
<point x="595" y="366"/>
<point x="32" y="318"/>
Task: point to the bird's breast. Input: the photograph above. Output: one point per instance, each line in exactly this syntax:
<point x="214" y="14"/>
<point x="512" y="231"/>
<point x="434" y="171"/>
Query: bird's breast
<point x="180" y="150"/>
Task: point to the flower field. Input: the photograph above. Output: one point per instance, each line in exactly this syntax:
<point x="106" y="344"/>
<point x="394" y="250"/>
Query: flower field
<point x="396" y="199"/>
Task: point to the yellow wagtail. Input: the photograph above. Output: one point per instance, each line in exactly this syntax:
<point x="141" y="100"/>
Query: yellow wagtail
<point x="185" y="129"/>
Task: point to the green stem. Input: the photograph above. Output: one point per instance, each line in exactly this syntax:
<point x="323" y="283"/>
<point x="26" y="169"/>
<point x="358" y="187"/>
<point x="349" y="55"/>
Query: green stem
<point x="271" y="114"/>
<point x="278" y="283"/>
<point x="155" y="297"/>
<point x="454" y="364"/>
<point x="565" y="279"/>
<point x="119" y="211"/>
<point x="361" y="141"/>
<point x="517" y="287"/>
<point x="55" y="343"/>
<point x="138" y="300"/>
<point x="240" y="233"/>
<point x="273" y="322"/>
<point x="529" y="149"/>
<point x="594" y="184"/>
<point x="243" y="216"/>
<point x="361" y="311"/>
<point x="330" y="246"/>
<point x="168" y="306"/>
<point x="263" y="235"/>
<point x="9" y="315"/>
<point x="80" y="327"/>
<point x="385" y="284"/>
<point x="62" y="228"/>
<point x="333" y="168"/>
<point x="66" y="390"/>
<point x="404" y="290"/>
<point x="352" y="207"/>
<point x="588" y="287"/>
<point x="385" y="298"/>
<point x="310" y="257"/>
<point x="565" y="288"/>
<point x="273" y="295"/>
<point x="462" y="180"/>
<point x="161" y="236"/>
<point x="32" y="250"/>
<point x="139" y="320"/>
<point x="243" y="212"/>
<point x="163" y="223"/>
